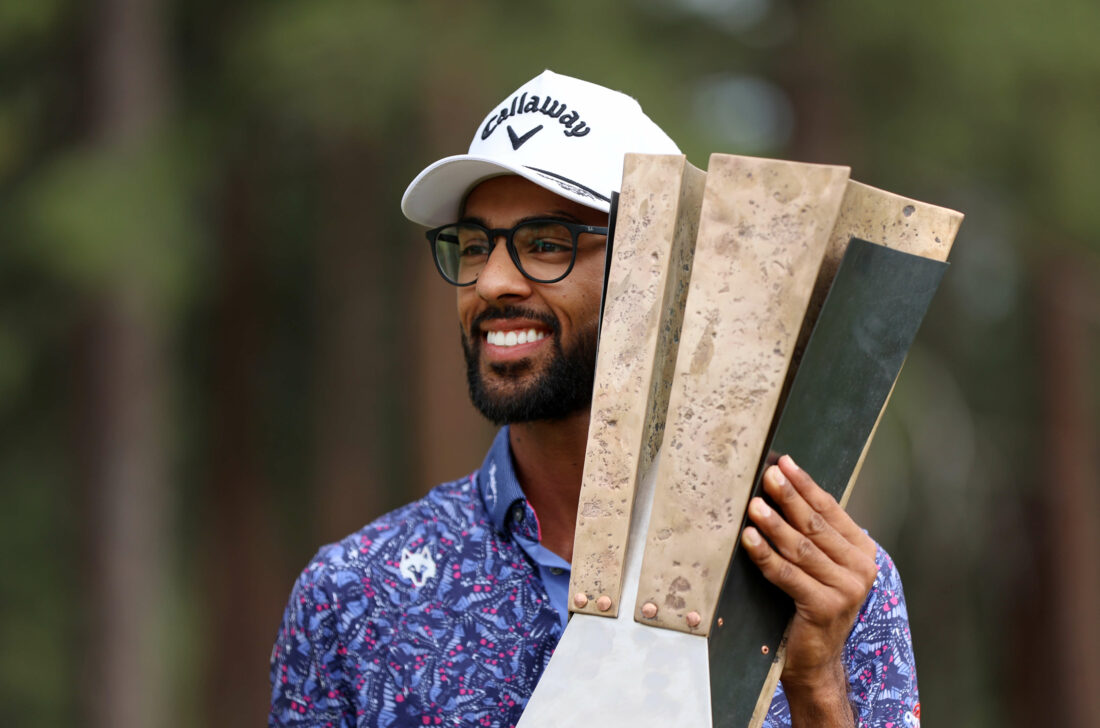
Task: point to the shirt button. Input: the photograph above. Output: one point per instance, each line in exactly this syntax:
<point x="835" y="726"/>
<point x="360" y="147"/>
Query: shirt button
<point x="517" y="515"/>
<point x="557" y="571"/>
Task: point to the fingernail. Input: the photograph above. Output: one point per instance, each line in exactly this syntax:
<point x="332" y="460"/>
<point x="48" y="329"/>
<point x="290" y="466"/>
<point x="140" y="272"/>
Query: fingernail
<point x="790" y="462"/>
<point x="775" y="475"/>
<point x="752" y="537"/>
<point x="760" y="508"/>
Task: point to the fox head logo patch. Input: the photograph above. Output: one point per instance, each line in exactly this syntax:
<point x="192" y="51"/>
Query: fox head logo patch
<point x="417" y="566"/>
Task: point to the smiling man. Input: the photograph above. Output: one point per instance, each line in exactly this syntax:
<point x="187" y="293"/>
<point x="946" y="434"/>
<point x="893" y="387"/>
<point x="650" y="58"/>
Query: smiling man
<point x="530" y="345"/>
<point x="446" y="611"/>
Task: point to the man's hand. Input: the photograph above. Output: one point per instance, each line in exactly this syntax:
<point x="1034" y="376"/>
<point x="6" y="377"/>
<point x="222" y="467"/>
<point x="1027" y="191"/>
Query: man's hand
<point x="826" y="563"/>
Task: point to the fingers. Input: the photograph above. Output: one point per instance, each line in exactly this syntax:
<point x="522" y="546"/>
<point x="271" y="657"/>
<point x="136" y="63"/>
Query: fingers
<point x="815" y="513"/>
<point x="803" y="511"/>
<point x="815" y="541"/>
<point x="820" y="502"/>
<point x="780" y="571"/>
<point x="796" y="561"/>
<point x="818" y="585"/>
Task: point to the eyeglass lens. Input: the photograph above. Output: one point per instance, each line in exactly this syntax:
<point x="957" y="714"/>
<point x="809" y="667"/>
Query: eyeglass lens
<point x="544" y="250"/>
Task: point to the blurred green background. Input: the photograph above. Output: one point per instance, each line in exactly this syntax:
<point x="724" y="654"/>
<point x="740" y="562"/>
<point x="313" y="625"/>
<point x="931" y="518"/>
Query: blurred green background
<point x="221" y="345"/>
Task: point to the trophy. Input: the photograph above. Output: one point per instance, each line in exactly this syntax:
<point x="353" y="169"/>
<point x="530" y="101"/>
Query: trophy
<point x="758" y="308"/>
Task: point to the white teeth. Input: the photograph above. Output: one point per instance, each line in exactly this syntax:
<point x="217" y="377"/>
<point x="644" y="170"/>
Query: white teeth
<point x="514" y="338"/>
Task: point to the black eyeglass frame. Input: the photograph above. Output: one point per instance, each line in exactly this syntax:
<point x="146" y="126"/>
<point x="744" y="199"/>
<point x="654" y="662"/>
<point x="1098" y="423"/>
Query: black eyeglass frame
<point x="575" y="230"/>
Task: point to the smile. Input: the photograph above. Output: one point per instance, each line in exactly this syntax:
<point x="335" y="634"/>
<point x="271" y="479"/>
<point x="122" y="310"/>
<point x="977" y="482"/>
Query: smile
<point x="514" y="338"/>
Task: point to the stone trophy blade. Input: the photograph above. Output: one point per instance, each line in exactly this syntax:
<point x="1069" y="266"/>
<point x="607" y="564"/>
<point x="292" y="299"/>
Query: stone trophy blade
<point x="646" y="284"/>
<point x="867" y="324"/>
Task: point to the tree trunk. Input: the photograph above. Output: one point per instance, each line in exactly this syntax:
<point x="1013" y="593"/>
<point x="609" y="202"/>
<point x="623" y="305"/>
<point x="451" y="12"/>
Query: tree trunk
<point x="1070" y="482"/>
<point x="122" y="371"/>
<point x="351" y="352"/>
<point x="123" y="473"/>
<point x="245" y="594"/>
<point x="808" y="70"/>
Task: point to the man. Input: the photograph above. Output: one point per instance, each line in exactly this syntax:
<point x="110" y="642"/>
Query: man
<point x="446" y="611"/>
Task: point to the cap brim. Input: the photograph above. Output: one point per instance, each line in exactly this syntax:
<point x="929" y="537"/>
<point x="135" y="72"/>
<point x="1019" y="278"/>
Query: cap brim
<point x="435" y="197"/>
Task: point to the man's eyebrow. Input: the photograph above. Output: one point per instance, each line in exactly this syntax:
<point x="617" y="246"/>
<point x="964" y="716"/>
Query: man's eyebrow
<point x="550" y="215"/>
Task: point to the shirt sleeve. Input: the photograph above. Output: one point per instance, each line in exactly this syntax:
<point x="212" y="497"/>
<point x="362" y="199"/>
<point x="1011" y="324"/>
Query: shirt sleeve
<point x="306" y="665"/>
<point x="882" y="674"/>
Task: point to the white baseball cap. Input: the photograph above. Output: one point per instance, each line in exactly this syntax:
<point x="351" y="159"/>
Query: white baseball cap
<point x="561" y="133"/>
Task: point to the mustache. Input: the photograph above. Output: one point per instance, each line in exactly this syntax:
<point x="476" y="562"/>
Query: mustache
<point x="515" y="312"/>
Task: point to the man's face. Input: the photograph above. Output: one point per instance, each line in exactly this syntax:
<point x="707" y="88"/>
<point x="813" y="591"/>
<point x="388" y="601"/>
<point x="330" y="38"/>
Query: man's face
<point x="550" y="375"/>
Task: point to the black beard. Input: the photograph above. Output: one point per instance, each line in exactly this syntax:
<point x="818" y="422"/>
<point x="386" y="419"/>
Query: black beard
<point x="563" y="388"/>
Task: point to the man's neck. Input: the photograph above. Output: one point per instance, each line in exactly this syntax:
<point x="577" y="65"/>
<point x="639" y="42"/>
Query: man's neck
<point x="549" y="460"/>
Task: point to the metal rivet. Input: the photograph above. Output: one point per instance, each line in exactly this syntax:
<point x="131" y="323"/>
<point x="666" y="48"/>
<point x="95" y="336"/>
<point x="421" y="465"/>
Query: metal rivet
<point x="693" y="619"/>
<point x="764" y="649"/>
<point x="603" y="603"/>
<point x="721" y="621"/>
<point x="580" y="600"/>
<point x="649" y="610"/>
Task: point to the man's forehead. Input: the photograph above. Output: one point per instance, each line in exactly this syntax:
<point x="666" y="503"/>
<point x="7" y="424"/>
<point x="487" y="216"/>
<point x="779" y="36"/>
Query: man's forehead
<point x="513" y="197"/>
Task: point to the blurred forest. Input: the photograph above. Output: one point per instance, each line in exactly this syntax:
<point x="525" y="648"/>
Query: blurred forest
<point x="221" y="345"/>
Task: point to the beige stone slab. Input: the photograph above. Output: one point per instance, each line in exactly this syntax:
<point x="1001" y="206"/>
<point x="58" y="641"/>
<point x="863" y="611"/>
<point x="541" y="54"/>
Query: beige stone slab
<point x="888" y="219"/>
<point x="657" y="221"/>
<point x="891" y="220"/>
<point x="894" y="221"/>
<point x="763" y="230"/>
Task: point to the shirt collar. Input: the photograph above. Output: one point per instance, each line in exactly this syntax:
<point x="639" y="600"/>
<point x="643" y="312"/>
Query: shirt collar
<point x="501" y="491"/>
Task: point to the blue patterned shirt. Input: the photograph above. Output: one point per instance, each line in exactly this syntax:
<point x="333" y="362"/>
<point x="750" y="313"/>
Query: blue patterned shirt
<point x="446" y="611"/>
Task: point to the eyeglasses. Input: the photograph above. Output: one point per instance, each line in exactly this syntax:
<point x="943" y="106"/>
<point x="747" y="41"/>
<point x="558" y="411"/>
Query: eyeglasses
<point x="543" y="250"/>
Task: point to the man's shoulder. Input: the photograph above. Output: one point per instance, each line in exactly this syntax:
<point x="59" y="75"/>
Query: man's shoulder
<point x="451" y="513"/>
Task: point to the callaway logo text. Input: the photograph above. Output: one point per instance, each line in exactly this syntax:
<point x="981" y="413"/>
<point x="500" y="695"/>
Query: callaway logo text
<point x="571" y="120"/>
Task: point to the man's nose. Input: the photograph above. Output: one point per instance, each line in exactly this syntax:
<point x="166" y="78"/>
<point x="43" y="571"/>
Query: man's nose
<point x="500" y="278"/>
